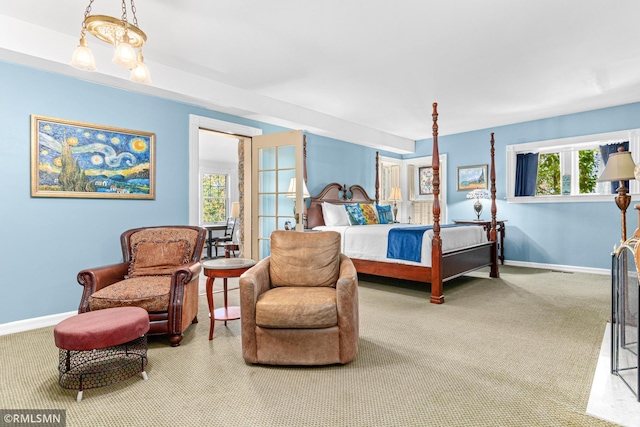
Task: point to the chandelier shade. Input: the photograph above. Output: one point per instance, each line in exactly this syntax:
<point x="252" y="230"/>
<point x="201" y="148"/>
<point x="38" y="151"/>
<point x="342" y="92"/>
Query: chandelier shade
<point x="83" y="57"/>
<point x="123" y="35"/>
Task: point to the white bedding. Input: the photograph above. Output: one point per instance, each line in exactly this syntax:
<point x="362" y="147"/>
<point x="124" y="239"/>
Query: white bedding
<point x="369" y="242"/>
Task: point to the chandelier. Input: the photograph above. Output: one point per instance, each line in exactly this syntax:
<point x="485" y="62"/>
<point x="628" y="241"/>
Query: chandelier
<point x="123" y="35"/>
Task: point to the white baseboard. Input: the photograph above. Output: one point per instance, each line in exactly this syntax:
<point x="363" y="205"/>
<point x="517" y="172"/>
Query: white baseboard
<point x="34" y="323"/>
<point x="558" y="267"/>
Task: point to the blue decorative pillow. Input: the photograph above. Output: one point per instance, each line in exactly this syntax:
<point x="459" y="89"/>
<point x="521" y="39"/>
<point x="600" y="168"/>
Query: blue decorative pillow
<point x="384" y="214"/>
<point x="355" y="214"/>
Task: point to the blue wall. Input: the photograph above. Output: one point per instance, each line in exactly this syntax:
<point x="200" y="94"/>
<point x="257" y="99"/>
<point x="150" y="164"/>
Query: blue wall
<point x="45" y="242"/>
<point x="574" y="234"/>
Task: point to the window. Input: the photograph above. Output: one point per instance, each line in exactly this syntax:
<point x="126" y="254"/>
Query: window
<point x="215" y="197"/>
<point x="566" y="169"/>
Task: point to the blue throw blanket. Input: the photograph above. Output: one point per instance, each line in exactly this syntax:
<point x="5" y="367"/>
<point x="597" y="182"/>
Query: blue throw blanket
<point x="406" y="242"/>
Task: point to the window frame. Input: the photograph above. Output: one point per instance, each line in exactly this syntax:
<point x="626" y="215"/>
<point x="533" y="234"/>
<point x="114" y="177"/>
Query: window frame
<point x="568" y="144"/>
<point x="206" y="171"/>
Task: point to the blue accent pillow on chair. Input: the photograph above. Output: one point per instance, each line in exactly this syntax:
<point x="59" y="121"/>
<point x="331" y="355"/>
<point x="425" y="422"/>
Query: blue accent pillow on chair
<point x="384" y="214"/>
<point x="355" y="214"/>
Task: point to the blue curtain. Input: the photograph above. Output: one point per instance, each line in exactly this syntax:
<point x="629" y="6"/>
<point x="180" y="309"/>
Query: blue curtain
<point x="526" y="174"/>
<point x="605" y="150"/>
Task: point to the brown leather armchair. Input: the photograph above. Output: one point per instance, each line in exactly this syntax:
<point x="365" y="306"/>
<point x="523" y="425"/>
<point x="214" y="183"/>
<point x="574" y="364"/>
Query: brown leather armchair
<point x="300" y="305"/>
<point x="160" y="273"/>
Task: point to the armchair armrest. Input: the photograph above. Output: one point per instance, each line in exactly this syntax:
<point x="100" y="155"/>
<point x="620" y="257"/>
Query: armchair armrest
<point x="347" y="305"/>
<point x="185" y="273"/>
<point x="253" y="282"/>
<point x="94" y="279"/>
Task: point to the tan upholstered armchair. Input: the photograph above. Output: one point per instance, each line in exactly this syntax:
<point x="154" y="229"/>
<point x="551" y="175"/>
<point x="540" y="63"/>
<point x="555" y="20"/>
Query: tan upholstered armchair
<point x="300" y="305"/>
<point x="160" y="273"/>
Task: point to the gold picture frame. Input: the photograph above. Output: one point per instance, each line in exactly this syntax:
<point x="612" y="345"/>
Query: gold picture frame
<point x="472" y="177"/>
<point x="83" y="160"/>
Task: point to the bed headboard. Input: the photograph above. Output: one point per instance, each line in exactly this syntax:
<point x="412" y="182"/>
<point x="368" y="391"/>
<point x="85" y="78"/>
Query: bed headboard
<point x="338" y="195"/>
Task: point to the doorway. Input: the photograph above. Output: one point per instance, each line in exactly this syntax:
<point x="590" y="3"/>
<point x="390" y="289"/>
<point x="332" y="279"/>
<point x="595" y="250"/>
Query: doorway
<point x="243" y="134"/>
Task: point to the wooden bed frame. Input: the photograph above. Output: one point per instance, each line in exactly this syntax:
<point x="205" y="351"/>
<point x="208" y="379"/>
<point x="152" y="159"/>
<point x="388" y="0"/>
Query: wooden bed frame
<point x="443" y="266"/>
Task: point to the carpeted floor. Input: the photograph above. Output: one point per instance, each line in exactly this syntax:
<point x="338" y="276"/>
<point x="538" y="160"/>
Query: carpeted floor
<point x="516" y="351"/>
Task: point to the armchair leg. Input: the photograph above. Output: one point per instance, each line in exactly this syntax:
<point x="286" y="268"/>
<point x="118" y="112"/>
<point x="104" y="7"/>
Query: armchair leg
<point x="195" y="320"/>
<point x="175" y="340"/>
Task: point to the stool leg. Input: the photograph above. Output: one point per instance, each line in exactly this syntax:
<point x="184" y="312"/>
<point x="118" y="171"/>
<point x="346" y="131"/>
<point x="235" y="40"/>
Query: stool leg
<point x="79" y="398"/>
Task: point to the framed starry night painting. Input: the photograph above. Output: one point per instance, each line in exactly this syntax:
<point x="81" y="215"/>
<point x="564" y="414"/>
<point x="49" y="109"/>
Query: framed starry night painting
<point x="83" y="160"/>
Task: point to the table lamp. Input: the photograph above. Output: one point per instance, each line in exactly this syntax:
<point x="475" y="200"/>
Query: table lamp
<point x="478" y="194"/>
<point x="395" y="196"/>
<point x="291" y="193"/>
<point x="620" y="167"/>
<point x="235" y="210"/>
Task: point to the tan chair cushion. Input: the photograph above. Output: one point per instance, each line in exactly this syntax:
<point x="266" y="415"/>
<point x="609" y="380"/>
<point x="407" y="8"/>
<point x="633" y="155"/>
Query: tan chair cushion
<point x="148" y="292"/>
<point x="158" y="251"/>
<point x="297" y="308"/>
<point x="304" y="259"/>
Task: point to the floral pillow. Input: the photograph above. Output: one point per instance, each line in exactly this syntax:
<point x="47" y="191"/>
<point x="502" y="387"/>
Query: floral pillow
<point x="384" y="214"/>
<point x="369" y="213"/>
<point x="355" y="214"/>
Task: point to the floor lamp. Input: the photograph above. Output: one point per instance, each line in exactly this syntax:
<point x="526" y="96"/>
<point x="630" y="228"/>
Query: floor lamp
<point x="620" y="167"/>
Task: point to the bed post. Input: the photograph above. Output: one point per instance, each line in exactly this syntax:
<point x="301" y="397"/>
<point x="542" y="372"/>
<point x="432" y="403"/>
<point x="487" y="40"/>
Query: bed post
<point x="436" y="243"/>
<point x="494" y="209"/>
<point x="377" y="178"/>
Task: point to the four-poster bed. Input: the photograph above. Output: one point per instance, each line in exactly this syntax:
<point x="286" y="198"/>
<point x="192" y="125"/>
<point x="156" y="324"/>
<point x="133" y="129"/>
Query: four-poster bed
<point x="455" y="260"/>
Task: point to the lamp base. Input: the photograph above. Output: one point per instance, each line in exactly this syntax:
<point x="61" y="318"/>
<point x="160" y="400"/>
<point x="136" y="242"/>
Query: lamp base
<point x="477" y="207"/>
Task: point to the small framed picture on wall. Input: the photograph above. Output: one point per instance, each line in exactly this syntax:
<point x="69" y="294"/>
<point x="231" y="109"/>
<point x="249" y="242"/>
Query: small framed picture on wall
<point x="472" y="177"/>
<point x="425" y="180"/>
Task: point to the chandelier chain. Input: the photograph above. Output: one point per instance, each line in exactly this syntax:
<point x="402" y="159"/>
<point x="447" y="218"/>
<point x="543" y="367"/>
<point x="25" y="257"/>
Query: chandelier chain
<point x="84" y="21"/>
<point x="133" y="11"/>
<point x="124" y="19"/>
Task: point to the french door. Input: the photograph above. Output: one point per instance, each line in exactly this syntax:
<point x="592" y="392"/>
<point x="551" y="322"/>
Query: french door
<point x="276" y="180"/>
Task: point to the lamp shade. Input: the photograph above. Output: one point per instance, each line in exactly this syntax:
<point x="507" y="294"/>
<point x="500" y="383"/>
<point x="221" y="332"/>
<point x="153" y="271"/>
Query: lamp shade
<point x="235" y="210"/>
<point x="291" y="191"/>
<point x="619" y="167"/>
<point x="478" y="194"/>
<point x="396" y="194"/>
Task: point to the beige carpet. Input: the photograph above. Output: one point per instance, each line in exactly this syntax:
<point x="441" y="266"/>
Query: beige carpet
<point x="516" y="351"/>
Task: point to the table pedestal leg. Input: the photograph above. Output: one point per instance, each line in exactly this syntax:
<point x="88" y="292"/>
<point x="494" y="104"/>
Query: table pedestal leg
<point x="210" y="301"/>
<point x="226" y="305"/>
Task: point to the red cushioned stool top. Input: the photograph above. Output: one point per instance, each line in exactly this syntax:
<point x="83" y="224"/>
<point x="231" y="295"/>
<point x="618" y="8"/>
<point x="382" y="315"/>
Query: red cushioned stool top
<point x="101" y="328"/>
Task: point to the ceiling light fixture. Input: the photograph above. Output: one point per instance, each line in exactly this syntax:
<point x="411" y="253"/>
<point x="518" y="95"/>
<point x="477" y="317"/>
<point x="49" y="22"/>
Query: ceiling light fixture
<point x="124" y="36"/>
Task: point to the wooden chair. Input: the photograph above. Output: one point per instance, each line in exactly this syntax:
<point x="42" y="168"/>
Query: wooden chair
<point x="219" y="242"/>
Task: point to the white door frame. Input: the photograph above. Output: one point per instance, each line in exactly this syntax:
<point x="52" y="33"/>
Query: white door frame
<point x="199" y="122"/>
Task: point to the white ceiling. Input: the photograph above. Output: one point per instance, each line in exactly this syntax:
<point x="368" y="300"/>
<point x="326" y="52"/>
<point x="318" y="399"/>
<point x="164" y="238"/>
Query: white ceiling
<point x="365" y="71"/>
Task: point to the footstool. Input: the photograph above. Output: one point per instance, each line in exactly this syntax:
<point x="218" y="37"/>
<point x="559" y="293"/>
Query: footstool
<point x="102" y="347"/>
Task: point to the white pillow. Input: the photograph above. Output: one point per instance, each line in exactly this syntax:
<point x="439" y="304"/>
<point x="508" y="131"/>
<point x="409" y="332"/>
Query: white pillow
<point x="334" y="215"/>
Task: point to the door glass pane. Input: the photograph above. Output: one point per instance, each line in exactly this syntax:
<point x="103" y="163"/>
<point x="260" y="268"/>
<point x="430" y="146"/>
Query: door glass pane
<point x="267" y="181"/>
<point x="267" y="226"/>
<point x="267" y="158"/>
<point x="287" y="157"/>
<point x="286" y="205"/>
<point x="264" y="248"/>
<point x="267" y="205"/>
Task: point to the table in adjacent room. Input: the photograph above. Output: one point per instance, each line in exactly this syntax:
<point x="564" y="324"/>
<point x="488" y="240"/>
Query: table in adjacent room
<point x="210" y="229"/>
<point x="223" y="268"/>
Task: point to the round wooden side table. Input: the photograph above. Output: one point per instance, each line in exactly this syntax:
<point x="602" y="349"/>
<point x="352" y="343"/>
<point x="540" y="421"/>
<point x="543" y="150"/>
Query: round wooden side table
<point x="223" y="268"/>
